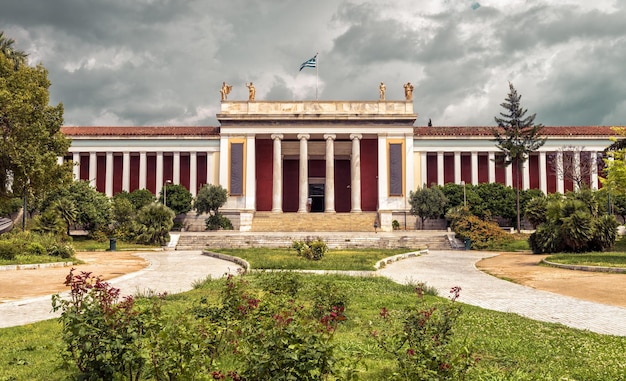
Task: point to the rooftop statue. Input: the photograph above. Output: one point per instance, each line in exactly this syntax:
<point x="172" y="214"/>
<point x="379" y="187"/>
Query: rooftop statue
<point x="225" y="90"/>
<point x="382" y="88"/>
<point x="251" y="91"/>
<point x="408" y="91"/>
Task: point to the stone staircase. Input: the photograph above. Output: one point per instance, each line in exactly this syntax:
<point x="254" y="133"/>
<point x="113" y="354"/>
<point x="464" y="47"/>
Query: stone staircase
<point x="313" y="222"/>
<point x="433" y="239"/>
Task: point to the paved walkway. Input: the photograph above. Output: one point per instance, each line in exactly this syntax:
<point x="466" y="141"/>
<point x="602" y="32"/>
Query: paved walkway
<point x="446" y="269"/>
<point x="176" y="271"/>
<point x="171" y="271"/>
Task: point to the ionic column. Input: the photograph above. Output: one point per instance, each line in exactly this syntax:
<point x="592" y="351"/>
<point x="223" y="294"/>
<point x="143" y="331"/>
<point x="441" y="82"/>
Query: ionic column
<point x="108" y="182"/>
<point x="93" y="169"/>
<point x="526" y="174"/>
<point x="474" y="165"/>
<point x="159" y="173"/>
<point x="560" y="181"/>
<point x="543" y="178"/>
<point x="457" y="168"/>
<point x="440" y="177"/>
<point x="423" y="170"/>
<point x="508" y="175"/>
<point x="576" y="169"/>
<point x="593" y="162"/>
<point x="277" y="176"/>
<point x="329" y="189"/>
<point x="126" y="171"/>
<point x="210" y="168"/>
<point x="143" y="170"/>
<point x="76" y="165"/>
<point x="176" y="168"/>
<point x="355" y="171"/>
<point x="491" y="165"/>
<point x="193" y="173"/>
<point x="303" y="183"/>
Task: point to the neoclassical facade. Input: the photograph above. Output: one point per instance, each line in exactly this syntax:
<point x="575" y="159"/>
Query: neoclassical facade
<point x="320" y="157"/>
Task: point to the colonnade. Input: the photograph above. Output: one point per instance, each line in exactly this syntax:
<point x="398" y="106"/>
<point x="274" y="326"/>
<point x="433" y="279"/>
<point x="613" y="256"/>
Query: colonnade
<point x="526" y="172"/>
<point x="143" y="169"/>
<point x="303" y="177"/>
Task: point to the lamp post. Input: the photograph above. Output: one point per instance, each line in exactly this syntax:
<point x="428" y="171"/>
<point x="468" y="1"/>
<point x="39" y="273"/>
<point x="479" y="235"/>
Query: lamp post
<point x="165" y="191"/>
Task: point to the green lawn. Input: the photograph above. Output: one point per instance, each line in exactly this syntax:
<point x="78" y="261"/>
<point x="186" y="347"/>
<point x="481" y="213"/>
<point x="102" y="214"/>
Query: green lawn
<point x="335" y="259"/>
<point x="86" y="244"/>
<point x="510" y="347"/>
<point x="30" y="259"/>
<point x="611" y="259"/>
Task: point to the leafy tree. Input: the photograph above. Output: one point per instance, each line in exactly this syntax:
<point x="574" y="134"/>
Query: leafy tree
<point x="179" y="199"/>
<point x="427" y="203"/>
<point x="31" y="139"/>
<point x="67" y="211"/>
<point x="155" y="221"/>
<point x="210" y="199"/>
<point x="516" y="136"/>
<point x="138" y="198"/>
<point x="93" y="209"/>
<point x="18" y="57"/>
<point x="497" y="200"/>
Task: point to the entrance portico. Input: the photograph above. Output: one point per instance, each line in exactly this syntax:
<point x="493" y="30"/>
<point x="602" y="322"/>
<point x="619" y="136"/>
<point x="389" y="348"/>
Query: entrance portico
<point x="316" y="156"/>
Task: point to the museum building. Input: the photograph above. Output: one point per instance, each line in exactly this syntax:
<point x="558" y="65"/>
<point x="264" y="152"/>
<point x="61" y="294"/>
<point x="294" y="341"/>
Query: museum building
<point x="331" y="157"/>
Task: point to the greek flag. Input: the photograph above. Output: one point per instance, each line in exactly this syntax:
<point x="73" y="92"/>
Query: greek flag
<point x="309" y="63"/>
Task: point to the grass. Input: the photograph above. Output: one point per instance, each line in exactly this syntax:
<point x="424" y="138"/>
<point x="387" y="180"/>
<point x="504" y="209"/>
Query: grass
<point x="590" y="259"/>
<point x="335" y="259"/>
<point x="511" y="347"/>
<point x="30" y="259"/>
<point x="86" y="244"/>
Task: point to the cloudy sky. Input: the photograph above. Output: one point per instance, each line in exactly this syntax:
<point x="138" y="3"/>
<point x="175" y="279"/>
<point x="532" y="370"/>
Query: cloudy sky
<point x="162" y="62"/>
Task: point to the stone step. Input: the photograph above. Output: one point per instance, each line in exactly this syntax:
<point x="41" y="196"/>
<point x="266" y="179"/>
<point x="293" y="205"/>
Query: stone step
<point x="436" y="240"/>
<point x="313" y="222"/>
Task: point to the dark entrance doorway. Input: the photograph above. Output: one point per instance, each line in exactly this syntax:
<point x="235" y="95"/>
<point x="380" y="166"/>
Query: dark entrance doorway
<point x="316" y="195"/>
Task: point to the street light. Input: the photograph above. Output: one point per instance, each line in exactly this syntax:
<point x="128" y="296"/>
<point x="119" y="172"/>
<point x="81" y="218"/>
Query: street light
<point x="165" y="191"/>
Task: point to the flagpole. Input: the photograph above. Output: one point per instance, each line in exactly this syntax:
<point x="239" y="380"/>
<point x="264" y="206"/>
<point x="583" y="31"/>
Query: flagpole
<point x="317" y="65"/>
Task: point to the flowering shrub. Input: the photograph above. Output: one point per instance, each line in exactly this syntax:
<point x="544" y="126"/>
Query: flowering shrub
<point x="482" y="233"/>
<point x="420" y="340"/>
<point x="313" y="250"/>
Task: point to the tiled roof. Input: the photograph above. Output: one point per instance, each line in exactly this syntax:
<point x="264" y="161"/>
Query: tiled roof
<point x="140" y="131"/>
<point x="487" y="131"/>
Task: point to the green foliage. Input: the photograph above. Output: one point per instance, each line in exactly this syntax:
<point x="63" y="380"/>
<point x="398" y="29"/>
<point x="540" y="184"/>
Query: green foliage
<point x="395" y="225"/>
<point x="7" y="250"/>
<point x="312" y="249"/>
<point x="516" y="136"/>
<point x="10" y="205"/>
<point x="140" y="198"/>
<point x="154" y="221"/>
<point x="218" y="221"/>
<point x="497" y="200"/>
<point x="93" y="209"/>
<point x="210" y="198"/>
<point x="32" y="139"/>
<point x="178" y="198"/>
<point x="536" y="210"/>
<point x="572" y="224"/>
<point x="427" y="203"/>
<point x="483" y="234"/>
<point x="36" y="243"/>
<point x="420" y="340"/>
<point x="49" y="222"/>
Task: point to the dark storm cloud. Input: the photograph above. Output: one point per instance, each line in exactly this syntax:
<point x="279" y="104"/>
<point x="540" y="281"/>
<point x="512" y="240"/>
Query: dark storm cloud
<point x="158" y="62"/>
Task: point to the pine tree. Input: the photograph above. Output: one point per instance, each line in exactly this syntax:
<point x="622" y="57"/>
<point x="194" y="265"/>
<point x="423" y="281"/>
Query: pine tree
<point x="517" y="136"/>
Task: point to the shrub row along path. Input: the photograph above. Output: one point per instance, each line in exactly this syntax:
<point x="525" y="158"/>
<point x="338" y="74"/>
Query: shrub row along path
<point x="176" y="271"/>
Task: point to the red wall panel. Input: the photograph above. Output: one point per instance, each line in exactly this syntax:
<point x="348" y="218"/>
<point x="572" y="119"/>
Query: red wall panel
<point x="343" y="202"/>
<point x="101" y="173"/>
<point x="264" y="171"/>
<point x="117" y="173"/>
<point x="185" y="170"/>
<point x="290" y="185"/>
<point x="448" y="169"/>
<point x="369" y="174"/>
<point x="134" y="172"/>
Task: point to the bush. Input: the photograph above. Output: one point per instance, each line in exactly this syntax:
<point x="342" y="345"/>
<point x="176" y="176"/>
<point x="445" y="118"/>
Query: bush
<point x="312" y="250"/>
<point x="35" y="248"/>
<point x="483" y="234"/>
<point x="217" y="222"/>
<point x="8" y="251"/>
<point x="62" y="251"/>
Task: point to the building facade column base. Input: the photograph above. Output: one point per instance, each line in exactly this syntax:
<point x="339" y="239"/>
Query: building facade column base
<point x="245" y="221"/>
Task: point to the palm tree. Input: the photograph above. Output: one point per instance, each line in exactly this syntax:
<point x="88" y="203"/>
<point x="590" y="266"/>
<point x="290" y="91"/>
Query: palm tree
<point x="6" y="47"/>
